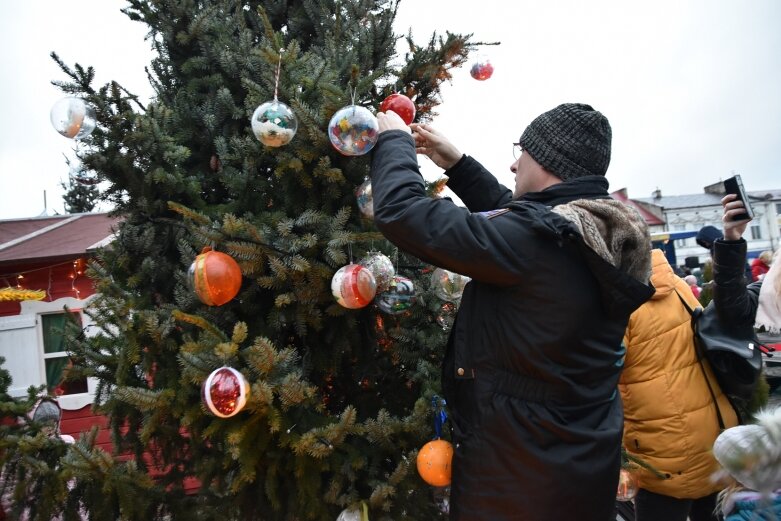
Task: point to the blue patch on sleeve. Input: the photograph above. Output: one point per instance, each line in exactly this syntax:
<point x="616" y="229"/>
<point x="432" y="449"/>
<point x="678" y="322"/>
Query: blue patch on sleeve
<point x="493" y="213"/>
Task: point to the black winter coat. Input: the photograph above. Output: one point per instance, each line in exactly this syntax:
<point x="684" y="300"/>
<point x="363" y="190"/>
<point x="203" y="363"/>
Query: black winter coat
<point x="533" y="360"/>
<point x="736" y="303"/>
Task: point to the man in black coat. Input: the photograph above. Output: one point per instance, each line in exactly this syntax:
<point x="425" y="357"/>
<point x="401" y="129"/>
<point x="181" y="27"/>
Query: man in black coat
<point x="535" y="353"/>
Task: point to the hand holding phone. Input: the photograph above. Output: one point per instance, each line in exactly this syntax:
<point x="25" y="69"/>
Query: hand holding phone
<point x="734" y="185"/>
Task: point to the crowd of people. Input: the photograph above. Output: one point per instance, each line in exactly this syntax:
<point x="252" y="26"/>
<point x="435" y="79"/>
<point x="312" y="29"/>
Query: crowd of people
<point x="573" y="338"/>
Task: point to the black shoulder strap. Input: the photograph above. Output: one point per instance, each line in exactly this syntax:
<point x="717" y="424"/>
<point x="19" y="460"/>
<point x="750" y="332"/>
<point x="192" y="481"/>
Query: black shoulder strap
<point x="695" y="313"/>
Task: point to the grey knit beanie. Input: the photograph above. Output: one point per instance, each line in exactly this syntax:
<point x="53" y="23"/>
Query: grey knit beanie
<point x="570" y="141"/>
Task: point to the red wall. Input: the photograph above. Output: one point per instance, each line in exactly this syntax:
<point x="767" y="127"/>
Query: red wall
<point x="59" y="279"/>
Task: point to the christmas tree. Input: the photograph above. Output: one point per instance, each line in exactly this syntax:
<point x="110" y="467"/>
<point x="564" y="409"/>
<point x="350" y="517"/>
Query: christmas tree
<point x="340" y="400"/>
<point x="81" y="193"/>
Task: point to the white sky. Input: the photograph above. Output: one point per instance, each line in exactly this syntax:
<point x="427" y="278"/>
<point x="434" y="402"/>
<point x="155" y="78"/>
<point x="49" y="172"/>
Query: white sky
<point x="692" y="89"/>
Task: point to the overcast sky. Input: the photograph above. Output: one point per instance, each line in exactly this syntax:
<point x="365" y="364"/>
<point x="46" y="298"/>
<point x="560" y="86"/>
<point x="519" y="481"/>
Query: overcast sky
<point x="692" y="89"/>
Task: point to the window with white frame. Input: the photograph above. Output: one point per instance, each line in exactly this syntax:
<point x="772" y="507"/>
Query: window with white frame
<point x="32" y="344"/>
<point x="55" y="356"/>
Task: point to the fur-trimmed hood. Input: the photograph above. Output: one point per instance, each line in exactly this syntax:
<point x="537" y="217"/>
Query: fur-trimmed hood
<point x="615" y="231"/>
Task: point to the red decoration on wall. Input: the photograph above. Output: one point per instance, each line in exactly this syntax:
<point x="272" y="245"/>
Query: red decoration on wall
<point x="215" y="277"/>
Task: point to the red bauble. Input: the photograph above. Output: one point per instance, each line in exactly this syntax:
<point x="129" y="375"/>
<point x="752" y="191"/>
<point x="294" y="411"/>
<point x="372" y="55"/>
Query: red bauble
<point x="401" y="105"/>
<point x="215" y="277"/>
<point x="225" y="392"/>
<point x="482" y="70"/>
<point x="435" y="463"/>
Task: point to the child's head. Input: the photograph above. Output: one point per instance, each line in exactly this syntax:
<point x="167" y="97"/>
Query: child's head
<point x="751" y="454"/>
<point x="691" y="280"/>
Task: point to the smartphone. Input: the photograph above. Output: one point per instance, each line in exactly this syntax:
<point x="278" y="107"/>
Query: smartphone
<point x="734" y="185"/>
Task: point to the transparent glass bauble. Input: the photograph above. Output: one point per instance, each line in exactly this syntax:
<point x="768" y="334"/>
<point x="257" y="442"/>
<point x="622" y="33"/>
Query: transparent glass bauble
<point x="353" y="286"/>
<point x="73" y="118"/>
<point x="481" y="69"/>
<point x="381" y="267"/>
<point x="627" y="486"/>
<point x="349" y="515"/>
<point x="274" y="124"/>
<point x="446" y="316"/>
<point x="398" y="298"/>
<point x="363" y="195"/>
<point x="447" y="285"/>
<point x="353" y="130"/>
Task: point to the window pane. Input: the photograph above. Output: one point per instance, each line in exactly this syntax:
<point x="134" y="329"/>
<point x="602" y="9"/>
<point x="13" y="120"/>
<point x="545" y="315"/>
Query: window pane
<point x="54" y="381"/>
<point x="53" y="326"/>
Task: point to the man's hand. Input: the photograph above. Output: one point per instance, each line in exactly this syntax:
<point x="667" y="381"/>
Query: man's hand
<point x="391" y="121"/>
<point x="733" y="230"/>
<point x="431" y="143"/>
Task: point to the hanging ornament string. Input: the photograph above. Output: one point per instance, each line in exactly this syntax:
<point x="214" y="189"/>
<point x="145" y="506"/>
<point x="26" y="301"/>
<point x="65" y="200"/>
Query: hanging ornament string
<point x="352" y="95"/>
<point x="440" y="416"/>
<point x="274" y="123"/>
<point x="350" y="252"/>
<point x="276" y="78"/>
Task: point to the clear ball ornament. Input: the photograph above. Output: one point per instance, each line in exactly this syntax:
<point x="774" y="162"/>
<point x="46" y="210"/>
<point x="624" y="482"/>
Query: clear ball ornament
<point x="381" y="267"/>
<point x="447" y="285"/>
<point x="349" y="515"/>
<point x="363" y="195"/>
<point x="73" y="118"/>
<point x="353" y="130"/>
<point x="441" y="496"/>
<point x="225" y="392"/>
<point x="481" y="69"/>
<point x="446" y="316"/>
<point x="274" y="123"/>
<point x="627" y="486"/>
<point x="398" y="298"/>
<point x="353" y="286"/>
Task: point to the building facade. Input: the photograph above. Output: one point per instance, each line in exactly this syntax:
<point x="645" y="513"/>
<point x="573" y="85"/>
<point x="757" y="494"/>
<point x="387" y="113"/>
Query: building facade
<point x="689" y="213"/>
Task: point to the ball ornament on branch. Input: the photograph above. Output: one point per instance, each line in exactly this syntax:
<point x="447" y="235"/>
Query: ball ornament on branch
<point x="627" y="486"/>
<point x="481" y="69"/>
<point x="215" y="277"/>
<point x="274" y="123"/>
<point x="381" y="267"/>
<point x="353" y="286"/>
<point x="401" y="105"/>
<point x="73" y="118"/>
<point x="363" y="196"/>
<point x="448" y="285"/>
<point x="353" y="130"/>
<point x="435" y="462"/>
<point x="398" y="298"/>
<point x="225" y="392"/>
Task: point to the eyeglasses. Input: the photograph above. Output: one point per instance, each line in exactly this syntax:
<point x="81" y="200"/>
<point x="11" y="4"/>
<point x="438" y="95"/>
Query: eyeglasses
<point x="517" y="150"/>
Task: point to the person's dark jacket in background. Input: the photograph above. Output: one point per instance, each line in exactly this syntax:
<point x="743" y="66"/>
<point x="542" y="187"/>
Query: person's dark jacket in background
<point x="534" y="356"/>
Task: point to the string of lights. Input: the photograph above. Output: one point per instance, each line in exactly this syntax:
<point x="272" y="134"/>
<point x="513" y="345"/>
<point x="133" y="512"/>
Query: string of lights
<point x="17" y="279"/>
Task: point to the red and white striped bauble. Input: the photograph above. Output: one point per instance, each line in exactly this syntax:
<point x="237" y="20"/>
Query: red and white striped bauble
<point x="353" y="286"/>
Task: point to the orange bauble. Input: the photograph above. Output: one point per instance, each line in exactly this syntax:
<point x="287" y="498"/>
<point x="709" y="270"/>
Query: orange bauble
<point x="215" y="277"/>
<point x="434" y="462"/>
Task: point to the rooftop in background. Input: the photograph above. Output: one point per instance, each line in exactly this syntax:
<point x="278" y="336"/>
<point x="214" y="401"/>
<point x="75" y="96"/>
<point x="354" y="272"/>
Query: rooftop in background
<point x="650" y="219"/>
<point x="54" y="238"/>
<point x="672" y="202"/>
<point x="711" y="197"/>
